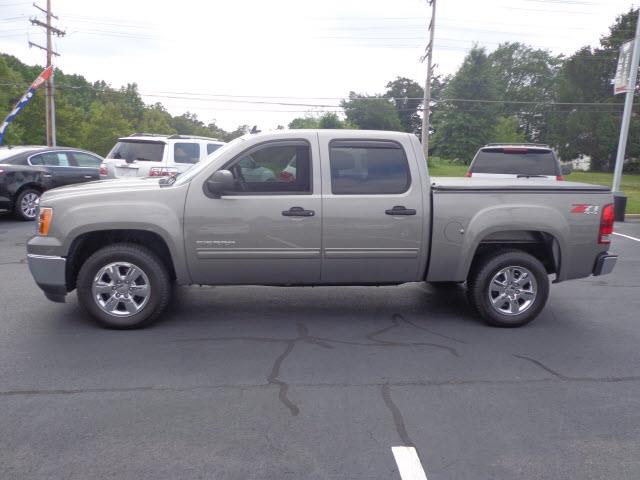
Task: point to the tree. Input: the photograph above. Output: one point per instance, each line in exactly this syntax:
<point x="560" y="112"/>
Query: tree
<point x="371" y="113"/>
<point x="462" y="126"/>
<point x="508" y="131"/>
<point x="585" y="77"/>
<point x="407" y="97"/>
<point x="525" y="74"/>
<point x="326" y="120"/>
<point x="304" y="122"/>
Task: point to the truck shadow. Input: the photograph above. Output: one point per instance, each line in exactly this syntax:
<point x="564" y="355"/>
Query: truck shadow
<point x="319" y="304"/>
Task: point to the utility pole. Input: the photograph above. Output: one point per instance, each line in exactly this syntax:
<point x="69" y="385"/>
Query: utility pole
<point x="50" y="103"/>
<point x="426" y="111"/>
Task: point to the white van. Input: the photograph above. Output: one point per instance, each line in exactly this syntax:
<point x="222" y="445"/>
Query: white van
<point x="152" y="155"/>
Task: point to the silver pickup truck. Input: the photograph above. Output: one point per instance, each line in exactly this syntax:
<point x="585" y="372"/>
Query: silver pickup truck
<point x="340" y="208"/>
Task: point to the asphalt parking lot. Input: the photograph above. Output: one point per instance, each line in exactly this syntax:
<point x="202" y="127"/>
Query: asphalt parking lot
<point x="320" y="383"/>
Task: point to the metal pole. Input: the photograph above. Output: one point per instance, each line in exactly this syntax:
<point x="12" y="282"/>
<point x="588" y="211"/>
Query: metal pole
<point x="626" y="116"/>
<point x="50" y="107"/>
<point x="426" y="111"/>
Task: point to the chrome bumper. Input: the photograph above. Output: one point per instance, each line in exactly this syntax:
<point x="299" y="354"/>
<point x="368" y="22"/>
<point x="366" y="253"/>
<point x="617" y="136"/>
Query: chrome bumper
<point x="49" y="272"/>
<point x="604" y="264"/>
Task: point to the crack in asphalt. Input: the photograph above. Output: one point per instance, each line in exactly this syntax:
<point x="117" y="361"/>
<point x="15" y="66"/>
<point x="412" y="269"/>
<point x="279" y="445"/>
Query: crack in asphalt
<point x="568" y="378"/>
<point x="22" y="261"/>
<point x="397" y="416"/>
<point x="303" y="336"/>
<point x="248" y="386"/>
<point x="283" y="387"/>
<point x="395" y="320"/>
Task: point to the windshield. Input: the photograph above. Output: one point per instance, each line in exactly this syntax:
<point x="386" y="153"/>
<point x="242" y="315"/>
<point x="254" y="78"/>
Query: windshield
<point x="131" y="150"/>
<point x="515" y="161"/>
<point x="197" y="168"/>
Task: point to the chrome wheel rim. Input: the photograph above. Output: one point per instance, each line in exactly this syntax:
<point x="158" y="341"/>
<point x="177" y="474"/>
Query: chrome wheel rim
<point x="29" y="204"/>
<point x="512" y="290"/>
<point x="121" y="289"/>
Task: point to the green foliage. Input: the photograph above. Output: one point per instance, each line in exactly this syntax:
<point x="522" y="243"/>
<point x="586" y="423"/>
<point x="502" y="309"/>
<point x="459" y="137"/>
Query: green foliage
<point x="525" y="74"/>
<point x="586" y="77"/>
<point x="462" y="127"/>
<point x="407" y="98"/>
<point x="371" y="113"/>
<point x="90" y="116"/>
<point x="508" y="131"/>
<point x="326" y="120"/>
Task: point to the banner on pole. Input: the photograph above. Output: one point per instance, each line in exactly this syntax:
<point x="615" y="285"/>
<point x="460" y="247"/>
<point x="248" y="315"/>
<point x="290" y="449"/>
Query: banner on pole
<point x="43" y="77"/>
<point x="623" y="71"/>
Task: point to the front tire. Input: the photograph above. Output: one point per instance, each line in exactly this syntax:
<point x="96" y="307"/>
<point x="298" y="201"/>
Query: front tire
<point x="124" y="286"/>
<point x="509" y="288"/>
<point x="26" y="204"/>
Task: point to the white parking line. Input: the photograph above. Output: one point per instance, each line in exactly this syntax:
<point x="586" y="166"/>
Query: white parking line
<point x="409" y="464"/>
<point x="627" y="236"/>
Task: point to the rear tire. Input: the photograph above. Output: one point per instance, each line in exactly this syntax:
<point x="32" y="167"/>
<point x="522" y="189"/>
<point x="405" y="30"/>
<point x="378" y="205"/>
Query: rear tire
<point x="124" y="286"/>
<point x="26" y="204"/>
<point x="508" y="289"/>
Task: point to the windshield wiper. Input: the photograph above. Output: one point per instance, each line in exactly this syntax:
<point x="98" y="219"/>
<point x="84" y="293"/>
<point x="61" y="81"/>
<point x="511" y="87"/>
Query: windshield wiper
<point x="531" y="176"/>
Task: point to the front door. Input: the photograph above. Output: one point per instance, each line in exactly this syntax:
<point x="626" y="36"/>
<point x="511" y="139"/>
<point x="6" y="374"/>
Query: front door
<point x="373" y="212"/>
<point x="266" y="231"/>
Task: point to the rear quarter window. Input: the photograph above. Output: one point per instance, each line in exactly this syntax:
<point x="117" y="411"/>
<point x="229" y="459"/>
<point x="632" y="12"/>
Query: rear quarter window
<point x="516" y="161"/>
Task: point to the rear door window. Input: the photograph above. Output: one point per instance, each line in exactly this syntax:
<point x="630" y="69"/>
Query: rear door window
<point x="368" y="167"/>
<point x="51" y="159"/>
<point x="515" y="161"/>
<point x="86" y="160"/>
<point x="186" y="153"/>
<point x="131" y="150"/>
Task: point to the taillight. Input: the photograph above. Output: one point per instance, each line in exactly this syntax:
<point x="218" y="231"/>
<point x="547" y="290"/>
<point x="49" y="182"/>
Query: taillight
<point x="560" y="178"/>
<point x="162" y="172"/>
<point x="606" y="224"/>
<point x="468" y="174"/>
<point x="103" y="169"/>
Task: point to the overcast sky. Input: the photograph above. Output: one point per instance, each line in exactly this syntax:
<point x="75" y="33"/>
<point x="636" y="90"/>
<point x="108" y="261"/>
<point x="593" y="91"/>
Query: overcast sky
<point x="287" y="51"/>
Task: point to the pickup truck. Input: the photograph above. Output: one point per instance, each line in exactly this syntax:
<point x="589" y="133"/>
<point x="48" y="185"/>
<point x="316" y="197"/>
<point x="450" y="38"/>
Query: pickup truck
<point x="361" y="209"/>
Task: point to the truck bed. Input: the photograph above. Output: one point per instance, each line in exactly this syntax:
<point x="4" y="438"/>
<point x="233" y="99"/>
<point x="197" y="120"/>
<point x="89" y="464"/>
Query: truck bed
<point x="468" y="212"/>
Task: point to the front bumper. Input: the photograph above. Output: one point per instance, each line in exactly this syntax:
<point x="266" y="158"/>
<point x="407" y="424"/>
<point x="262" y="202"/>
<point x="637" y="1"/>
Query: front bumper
<point x="604" y="264"/>
<point x="49" y="272"/>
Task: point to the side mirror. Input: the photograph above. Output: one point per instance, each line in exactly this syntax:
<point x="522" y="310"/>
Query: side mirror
<point x="220" y="182"/>
<point x="566" y="169"/>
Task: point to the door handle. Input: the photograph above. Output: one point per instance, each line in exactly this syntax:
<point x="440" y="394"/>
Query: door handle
<point x="298" y="212"/>
<point x="400" y="210"/>
<point x="88" y="176"/>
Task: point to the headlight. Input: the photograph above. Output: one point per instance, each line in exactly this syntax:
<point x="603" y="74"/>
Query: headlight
<point x="44" y="220"/>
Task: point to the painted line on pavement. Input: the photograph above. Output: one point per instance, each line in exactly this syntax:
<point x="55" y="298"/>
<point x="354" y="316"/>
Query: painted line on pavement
<point x="627" y="236"/>
<point x="408" y="463"/>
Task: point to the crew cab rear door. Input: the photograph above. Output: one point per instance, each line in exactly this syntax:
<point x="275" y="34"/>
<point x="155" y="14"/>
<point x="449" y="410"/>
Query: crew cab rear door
<point x="373" y="211"/>
<point x="266" y="231"/>
<point x="59" y="166"/>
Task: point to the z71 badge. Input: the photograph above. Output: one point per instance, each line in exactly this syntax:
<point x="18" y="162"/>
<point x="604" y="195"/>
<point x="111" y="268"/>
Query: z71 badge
<point x="585" y="208"/>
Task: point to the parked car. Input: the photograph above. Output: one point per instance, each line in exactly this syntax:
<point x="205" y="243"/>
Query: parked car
<point x="362" y="210"/>
<point x="27" y="172"/>
<point x="152" y="155"/>
<point x="510" y="160"/>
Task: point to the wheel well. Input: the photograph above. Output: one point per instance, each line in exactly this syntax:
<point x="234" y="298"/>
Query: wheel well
<point x="88" y="243"/>
<point x="34" y="186"/>
<point x="541" y="245"/>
